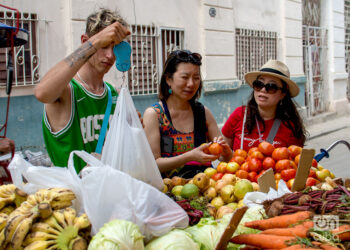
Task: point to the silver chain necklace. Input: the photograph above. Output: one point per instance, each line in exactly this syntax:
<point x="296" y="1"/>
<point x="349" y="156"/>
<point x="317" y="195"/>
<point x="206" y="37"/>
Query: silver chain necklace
<point x="82" y="80"/>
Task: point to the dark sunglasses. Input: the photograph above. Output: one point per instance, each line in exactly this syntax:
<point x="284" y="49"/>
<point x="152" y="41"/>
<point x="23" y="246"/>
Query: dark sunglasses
<point x="270" y="88"/>
<point x="187" y="56"/>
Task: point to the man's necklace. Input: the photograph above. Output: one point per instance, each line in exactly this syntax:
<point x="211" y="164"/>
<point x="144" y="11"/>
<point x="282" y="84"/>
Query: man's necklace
<point x="84" y="83"/>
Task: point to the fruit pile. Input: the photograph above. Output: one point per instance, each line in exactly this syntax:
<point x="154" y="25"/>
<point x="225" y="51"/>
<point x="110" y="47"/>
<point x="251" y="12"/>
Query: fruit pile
<point x="284" y="162"/>
<point x="41" y="220"/>
<point x="222" y="196"/>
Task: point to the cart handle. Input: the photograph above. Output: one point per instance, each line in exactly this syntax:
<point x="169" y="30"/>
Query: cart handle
<point x="324" y="152"/>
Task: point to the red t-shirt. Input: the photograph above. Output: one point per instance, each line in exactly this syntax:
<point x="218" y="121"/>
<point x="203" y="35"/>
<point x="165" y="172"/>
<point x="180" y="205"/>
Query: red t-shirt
<point x="233" y="129"/>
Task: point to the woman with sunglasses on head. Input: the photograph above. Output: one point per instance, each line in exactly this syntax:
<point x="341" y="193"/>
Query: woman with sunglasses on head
<point x="178" y="125"/>
<point x="270" y="115"/>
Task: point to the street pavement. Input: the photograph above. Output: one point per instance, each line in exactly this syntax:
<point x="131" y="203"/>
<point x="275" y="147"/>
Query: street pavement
<point x="324" y="134"/>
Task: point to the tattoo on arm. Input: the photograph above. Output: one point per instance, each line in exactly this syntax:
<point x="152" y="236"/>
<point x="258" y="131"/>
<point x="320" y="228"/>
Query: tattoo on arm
<point x="84" y="52"/>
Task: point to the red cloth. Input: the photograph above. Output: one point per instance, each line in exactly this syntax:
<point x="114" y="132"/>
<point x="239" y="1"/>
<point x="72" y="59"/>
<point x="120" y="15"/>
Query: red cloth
<point x="233" y="129"/>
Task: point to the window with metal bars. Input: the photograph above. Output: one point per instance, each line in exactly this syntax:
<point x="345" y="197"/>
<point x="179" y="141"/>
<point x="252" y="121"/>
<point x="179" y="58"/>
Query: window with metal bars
<point x="26" y="60"/>
<point x="150" y="48"/>
<point x="253" y="49"/>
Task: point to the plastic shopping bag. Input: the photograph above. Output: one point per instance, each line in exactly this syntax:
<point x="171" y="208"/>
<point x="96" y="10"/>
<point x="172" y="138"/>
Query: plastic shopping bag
<point x="127" y="148"/>
<point x="111" y="194"/>
<point x="31" y="178"/>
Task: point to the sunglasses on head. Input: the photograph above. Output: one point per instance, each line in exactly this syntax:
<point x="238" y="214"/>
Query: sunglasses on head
<point x="270" y="88"/>
<point x="187" y="56"/>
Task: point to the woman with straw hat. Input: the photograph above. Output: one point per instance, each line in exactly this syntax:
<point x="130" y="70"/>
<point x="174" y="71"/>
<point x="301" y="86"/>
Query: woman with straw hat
<point x="270" y="115"/>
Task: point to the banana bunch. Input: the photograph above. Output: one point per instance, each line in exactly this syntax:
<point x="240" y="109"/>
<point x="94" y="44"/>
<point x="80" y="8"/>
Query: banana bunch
<point x="41" y="204"/>
<point x="62" y="230"/>
<point x="10" y="196"/>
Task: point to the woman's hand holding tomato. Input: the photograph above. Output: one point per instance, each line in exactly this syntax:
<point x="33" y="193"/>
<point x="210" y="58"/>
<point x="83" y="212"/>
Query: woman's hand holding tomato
<point x="222" y="147"/>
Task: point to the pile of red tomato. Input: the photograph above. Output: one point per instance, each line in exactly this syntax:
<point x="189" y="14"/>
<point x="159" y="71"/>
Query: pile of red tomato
<point x="252" y="164"/>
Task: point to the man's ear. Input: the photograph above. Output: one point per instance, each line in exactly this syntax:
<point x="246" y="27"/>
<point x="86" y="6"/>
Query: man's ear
<point x="84" y="38"/>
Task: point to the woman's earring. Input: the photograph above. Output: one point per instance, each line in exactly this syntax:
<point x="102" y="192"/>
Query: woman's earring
<point x="170" y="91"/>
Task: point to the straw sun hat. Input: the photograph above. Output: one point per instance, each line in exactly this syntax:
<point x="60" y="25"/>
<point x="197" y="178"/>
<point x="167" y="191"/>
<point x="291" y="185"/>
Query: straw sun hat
<point x="277" y="69"/>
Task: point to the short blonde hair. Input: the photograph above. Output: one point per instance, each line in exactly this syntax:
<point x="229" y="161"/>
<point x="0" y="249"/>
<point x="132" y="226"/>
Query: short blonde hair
<point x="101" y="19"/>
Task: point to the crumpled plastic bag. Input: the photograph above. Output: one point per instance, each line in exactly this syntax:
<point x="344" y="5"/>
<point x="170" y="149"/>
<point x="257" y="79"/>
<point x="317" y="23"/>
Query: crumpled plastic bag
<point x="252" y="199"/>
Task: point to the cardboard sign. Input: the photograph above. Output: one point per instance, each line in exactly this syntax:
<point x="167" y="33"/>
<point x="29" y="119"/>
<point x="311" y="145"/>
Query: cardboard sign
<point x="303" y="170"/>
<point x="267" y="180"/>
<point x="231" y="228"/>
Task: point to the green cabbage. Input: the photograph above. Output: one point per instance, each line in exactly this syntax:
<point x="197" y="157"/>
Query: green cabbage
<point x="118" y="235"/>
<point x="207" y="232"/>
<point x="174" y="240"/>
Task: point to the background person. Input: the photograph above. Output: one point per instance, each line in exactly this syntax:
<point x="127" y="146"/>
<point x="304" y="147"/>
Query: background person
<point x="270" y="105"/>
<point x="74" y="92"/>
<point x="6" y="146"/>
<point x="177" y="125"/>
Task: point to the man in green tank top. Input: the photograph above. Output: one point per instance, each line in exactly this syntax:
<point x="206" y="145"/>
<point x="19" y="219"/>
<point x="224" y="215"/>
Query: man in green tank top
<point x="74" y="93"/>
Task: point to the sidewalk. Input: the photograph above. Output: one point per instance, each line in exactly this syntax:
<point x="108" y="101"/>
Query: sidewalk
<point x="326" y="123"/>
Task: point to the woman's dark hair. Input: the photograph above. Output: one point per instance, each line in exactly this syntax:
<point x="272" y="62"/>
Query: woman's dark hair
<point x="170" y="67"/>
<point x="286" y="111"/>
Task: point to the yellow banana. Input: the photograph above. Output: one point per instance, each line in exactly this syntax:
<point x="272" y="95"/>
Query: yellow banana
<point x="52" y="222"/>
<point x="44" y="210"/>
<point x="21" y="232"/>
<point x="59" y="216"/>
<point x="44" y="227"/>
<point x="69" y="215"/>
<point x="3" y="202"/>
<point x="11" y="226"/>
<point x="7" y="191"/>
<point x="38" y="236"/>
<point x="20" y="197"/>
<point x="2" y="239"/>
<point x="7" y="210"/>
<point x="3" y="220"/>
<point x="82" y="221"/>
<point x="61" y="204"/>
<point x="78" y="243"/>
<point x="63" y="194"/>
<point x="31" y="200"/>
<point x="40" y="245"/>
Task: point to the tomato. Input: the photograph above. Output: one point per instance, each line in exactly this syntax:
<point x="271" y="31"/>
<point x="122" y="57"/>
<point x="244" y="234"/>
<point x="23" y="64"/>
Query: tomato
<point x="245" y="167"/>
<point x="294" y="150"/>
<point x="293" y="165"/>
<point x="268" y="162"/>
<point x="215" y="148"/>
<point x="253" y="149"/>
<point x="290" y="183"/>
<point x="242" y="174"/>
<point x="221" y="168"/>
<point x="314" y="163"/>
<point x="310" y="181"/>
<point x="280" y="153"/>
<point x="257" y="154"/>
<point x="255" y="165"/>
<point x="312" y="173"/>
<point x="238" y="159"/>
<point x="217" y="176"/>
<point x="252" y="176"/>
<point x="297" y="159"/>
<point x="240" y="152"/>
<point x="288" y="174"/>
<point x="282" y="165"/>
<point x="277" y="176"/>
<point x="266" y="148"/>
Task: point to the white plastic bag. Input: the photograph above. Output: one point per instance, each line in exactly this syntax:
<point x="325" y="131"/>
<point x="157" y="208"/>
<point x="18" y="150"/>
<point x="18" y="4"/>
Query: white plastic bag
<point x="110" y="194"/>
<point x="38" y="177"/>
<point x="126" y="147"/>
<point x="253" y="199"/>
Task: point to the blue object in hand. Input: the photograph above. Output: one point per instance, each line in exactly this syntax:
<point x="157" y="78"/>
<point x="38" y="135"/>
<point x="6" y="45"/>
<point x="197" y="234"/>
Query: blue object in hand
<point x="122" y="52"/>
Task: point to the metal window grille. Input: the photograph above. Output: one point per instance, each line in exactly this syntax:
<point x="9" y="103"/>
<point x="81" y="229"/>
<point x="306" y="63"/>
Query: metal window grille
<point x="151" y="46"/>
<point x="347" y="34"/>
<point x="26" y="63"/>
<point x="253" y="49"/>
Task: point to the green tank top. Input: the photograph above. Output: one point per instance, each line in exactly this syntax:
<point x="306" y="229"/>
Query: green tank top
<point x="82" y="130"/>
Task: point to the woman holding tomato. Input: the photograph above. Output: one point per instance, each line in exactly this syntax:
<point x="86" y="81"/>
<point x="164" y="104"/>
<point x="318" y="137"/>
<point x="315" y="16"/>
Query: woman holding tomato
<point x="178" y="127"/>
<point x="270" y="115"/>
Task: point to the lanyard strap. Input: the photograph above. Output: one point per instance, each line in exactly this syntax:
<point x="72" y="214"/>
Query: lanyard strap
<point x="103" y="131"/>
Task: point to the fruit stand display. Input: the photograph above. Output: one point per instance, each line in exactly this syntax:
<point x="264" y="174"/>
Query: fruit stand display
<point x="47" y="220"/>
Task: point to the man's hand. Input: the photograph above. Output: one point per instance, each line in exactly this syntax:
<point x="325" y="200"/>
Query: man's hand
<point x="112" y="34"/>
<point x="6" y="146"/>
